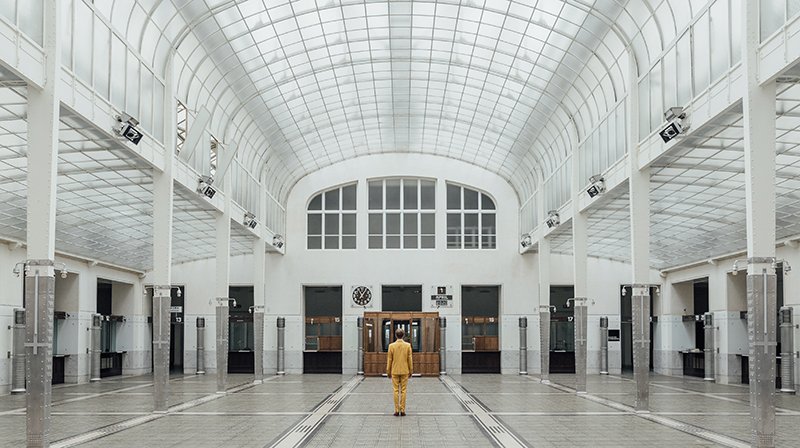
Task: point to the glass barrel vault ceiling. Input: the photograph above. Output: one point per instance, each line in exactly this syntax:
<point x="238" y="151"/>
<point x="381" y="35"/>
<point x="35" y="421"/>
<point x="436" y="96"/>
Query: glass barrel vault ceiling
<point x="490" y="82"/>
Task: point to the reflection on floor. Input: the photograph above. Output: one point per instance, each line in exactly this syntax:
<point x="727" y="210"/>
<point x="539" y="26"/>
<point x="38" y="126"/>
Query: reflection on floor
<point x="460" y="411"/>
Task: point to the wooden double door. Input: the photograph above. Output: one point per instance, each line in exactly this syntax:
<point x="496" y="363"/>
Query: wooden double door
<point x="422" y="332"/>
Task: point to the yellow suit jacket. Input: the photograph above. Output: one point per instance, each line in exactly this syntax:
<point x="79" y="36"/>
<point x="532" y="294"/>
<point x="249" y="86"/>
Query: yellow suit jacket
<point x="398" y="361"/>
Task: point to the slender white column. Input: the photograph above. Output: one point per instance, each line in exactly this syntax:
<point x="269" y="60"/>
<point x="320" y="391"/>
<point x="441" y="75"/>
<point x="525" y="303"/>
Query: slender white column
<point x="639" y="188"/>
<point x="43" y="119"/>
<point x="221" y="287"/>
<point x="759" y="167"/>
<point x="163" y="182"/>
<point x="580" y="242"/>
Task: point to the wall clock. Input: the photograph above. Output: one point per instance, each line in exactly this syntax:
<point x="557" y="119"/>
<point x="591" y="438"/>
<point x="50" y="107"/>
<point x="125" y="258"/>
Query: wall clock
<point x="362" y="296"/>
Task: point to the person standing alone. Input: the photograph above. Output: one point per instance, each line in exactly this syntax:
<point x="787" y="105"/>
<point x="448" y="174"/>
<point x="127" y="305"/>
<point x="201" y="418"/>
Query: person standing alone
<point x="399" y="367"/>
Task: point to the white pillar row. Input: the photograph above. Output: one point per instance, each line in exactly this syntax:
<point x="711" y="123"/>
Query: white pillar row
<point x="43" y="124"/>
<point x="221" y="285"/>
<point x="639" y="189"/>
<point x="163" y="185"/>
<point x="759" y="168"/>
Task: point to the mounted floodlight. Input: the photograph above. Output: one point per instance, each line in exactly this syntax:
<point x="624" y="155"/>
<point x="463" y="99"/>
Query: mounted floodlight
<point x="249" y="220"/>
<point x="277" y="241"/>
<point x="597" y="185"/>
<point x="526" y="240"/>
<point x="553" y="219"/>
<point x="674" y="116"/>
<point x="204" y="186"/>
<point x="126" y="127"/>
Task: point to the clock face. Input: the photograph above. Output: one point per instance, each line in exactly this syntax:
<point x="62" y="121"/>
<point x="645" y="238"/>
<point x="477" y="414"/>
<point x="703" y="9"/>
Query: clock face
<point x="362" y="295"/>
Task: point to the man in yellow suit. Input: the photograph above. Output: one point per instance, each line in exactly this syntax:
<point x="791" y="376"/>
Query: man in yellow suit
<point x="399" y="367"/>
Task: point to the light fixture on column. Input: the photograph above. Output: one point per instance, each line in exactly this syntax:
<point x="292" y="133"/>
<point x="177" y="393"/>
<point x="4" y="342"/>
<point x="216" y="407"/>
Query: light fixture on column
<point x="675" y="118"/>
<point x="177" y="289"/>
<point x="250" y="220"/>
<point x="277" y="241"/>
<point x="553" y="219"/>
<point x="525" y="240"/>
<point x="125" y="126"/>
<point x="597" y="185"/>
<point x="204" y="186"/>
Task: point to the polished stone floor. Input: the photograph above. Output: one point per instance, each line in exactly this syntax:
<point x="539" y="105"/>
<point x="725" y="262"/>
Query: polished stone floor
<point x="346" y="411"/>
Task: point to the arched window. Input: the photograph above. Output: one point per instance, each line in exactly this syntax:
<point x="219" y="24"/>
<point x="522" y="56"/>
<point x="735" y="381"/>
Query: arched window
<point x="331" y="222"/>
<point x="402" y="214"/>
<point x="471" y="219"/>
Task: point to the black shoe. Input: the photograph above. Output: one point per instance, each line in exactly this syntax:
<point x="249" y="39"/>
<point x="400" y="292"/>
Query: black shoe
<point x="396" y="414"/>
<point x="402" y="414"/>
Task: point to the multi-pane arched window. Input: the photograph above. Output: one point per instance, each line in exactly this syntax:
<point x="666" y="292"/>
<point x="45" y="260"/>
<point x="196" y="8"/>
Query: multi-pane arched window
<point x="471" y="219"/>
<point x="402" y="214"/>
<point x="331" y="219"/>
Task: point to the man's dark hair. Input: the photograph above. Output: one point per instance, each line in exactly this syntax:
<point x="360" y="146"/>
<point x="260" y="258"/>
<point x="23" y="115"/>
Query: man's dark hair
<point x="399" y="333"/>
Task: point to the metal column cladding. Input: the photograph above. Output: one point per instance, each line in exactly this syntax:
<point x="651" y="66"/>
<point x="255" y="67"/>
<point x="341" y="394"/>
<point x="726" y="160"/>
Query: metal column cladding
<point x="18" y="361"/>
<point x="281" y="346"/>
<point x="258" y="345"/>
<point x="640" y="302"/>
<point x="787" y="350"/>
<point x="161" y="334"/>
<point x="544" y="341"/>
<point x="581" y="328"/>
<point x="604" y="345"/>
<point x="761" y="310"/>
<point x="360" y="337"/>
<point x="222" y="343"/>
<point x="95" y="350"/>
<point x="709" y="350"/>
<point x="523" y="345"/>
<point x="39" y="296"/>
<point x="442" y="346"/>
<point x="201" y="345"/>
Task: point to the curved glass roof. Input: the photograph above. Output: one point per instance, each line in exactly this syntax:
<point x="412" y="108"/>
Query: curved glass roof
<point x="496" y="83"/>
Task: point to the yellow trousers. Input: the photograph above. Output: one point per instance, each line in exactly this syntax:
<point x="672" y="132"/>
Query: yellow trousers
<point x="399" y="384"/>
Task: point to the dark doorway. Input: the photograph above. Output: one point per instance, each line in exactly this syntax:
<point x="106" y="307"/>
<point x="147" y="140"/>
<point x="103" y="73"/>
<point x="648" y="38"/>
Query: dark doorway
<point x="626" y="328"/>
<point x="176" y="322"/>
<point x="480" y="342"/>
<point x="240" y="331"/>
<point x="401" y="298"/>
<point x="562" y="330"/>
<point x="322" y="352"/>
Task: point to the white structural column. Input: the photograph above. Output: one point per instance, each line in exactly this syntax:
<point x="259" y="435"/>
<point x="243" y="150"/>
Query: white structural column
<point x="259" y="289"/>
<point x="163" y="184"/>
<point x="544" y="291"/>
<point x="580" y="243"/>
<point x="222" y="286"/>
<point x="43" y="116"/>
<point x="639" y="187"/>
<point x="759" y="167"/>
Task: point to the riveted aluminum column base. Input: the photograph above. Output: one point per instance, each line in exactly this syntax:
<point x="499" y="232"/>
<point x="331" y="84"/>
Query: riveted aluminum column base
<point x="641" y="348"/>
<point x="544" y="344"/>
<point x="39" y="300"/>
<point x="761" y="333"/>
<point x="604" y="345"/>
<point x="523" y="345"/>
<point x="709" y="350"/>
<point x="581" y="327"/>
<point x="222" y="346"/>
<point x="442" y="346"/>
<point x="201" y="346"/>
<point x="258" y="344"/>
<point x="161" y="336"/>
<point x="787" y="350"/>
<point x="95" y="351"/>
<point x="360" y="338"/>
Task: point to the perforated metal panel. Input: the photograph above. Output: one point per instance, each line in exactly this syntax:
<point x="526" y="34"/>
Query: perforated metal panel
<point x="641" y="347"/>
<point x="39" y="297"/>
<point x="709" y="351"/>
<point x="222" y="345"/>
<point x="761" y="311"/>
<point x="201" y="345"/>
<point x="161" y="335"/>
<point x="581" y="327"/>
<point x="544" y="342"/>
<point x="258" y="345"/>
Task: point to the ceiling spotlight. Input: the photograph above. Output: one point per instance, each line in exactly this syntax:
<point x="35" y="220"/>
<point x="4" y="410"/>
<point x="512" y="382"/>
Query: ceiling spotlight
<point x="674" y="116"/>
<point x="623" y="292"/>
<point x="204" y="186"/>
<point x="553" y="219"/>
<point x="597" y="185"/>
<point x="63" y="273"/>
<point x="178" y="293"/>
<point x="277" y="241"/>
<point x="125" y="126"/>
<point x="249" y="220"/>
<point x="525" y="241"/>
